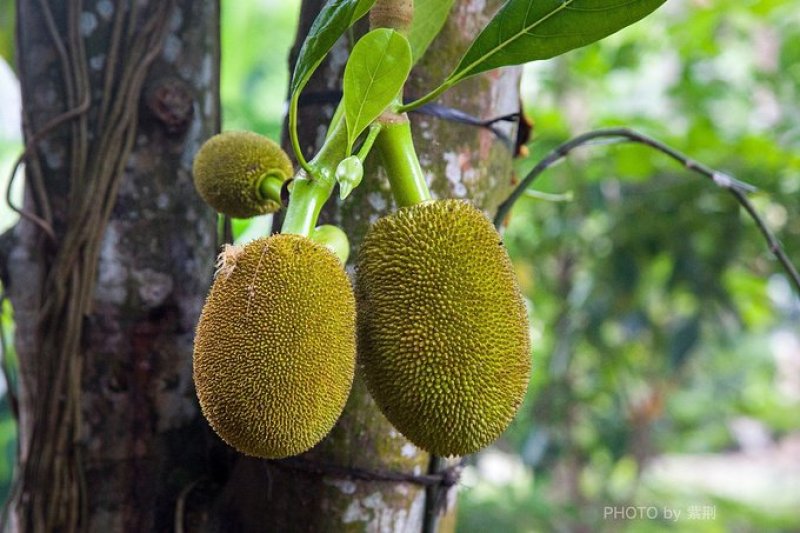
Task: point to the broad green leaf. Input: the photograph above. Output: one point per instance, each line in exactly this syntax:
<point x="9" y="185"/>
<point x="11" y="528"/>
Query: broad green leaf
<point x="375" y="73"/>
<point x="362" y="8"/>
<point x="333" y="20"/>
<point x="429" y="17"/>
<point x="528" y="30"/>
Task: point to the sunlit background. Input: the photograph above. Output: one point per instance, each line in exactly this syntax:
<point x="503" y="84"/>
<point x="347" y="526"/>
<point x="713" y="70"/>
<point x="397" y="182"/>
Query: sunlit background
<point x="666" y="348"/>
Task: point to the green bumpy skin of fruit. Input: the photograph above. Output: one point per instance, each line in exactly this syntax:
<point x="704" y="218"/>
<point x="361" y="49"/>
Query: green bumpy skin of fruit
<point x="275" y="348"/>
<point x="228" y="170"/>
<point x="443" y="337"/>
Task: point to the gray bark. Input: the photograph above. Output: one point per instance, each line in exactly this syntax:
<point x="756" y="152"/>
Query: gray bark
<point x="139" y="439"/>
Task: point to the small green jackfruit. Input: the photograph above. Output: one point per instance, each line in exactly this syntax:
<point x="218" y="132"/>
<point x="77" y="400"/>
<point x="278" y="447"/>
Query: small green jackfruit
<point x="275" y="348"/>
<point x="443" y="336"/>
<point x="229" y="169"/>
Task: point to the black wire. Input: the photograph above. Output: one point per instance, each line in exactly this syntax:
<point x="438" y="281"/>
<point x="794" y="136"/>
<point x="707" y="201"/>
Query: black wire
<point x="431" y="110"/>
<point x="444" y="478"/>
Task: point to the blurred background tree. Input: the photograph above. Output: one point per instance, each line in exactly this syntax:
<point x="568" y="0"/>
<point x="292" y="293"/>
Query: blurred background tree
<point x="666" y="347"/>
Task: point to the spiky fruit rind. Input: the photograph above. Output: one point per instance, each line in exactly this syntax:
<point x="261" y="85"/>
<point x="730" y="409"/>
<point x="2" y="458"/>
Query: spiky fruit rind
<point x="442" y="326"/>
<point x="228" y="170"/>
<point x="274" y="352"/>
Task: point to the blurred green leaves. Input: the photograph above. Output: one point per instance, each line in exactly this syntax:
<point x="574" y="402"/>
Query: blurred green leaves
<point x="7" y="19"/>
<point x="8" y="426"/>
<point x="256" y="38"/>
<point x="659" y="311"/>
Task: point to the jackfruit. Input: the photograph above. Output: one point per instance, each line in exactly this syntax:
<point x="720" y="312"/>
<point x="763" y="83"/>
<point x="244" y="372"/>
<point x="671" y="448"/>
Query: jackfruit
<point x="233" y="170"/>
<point x="275" y="347"/>
<point x="443" y="337"/>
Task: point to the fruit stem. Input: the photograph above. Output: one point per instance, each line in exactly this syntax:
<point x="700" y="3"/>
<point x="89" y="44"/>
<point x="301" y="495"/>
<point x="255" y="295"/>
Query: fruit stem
<point x="400" y="160"/>
<point x="269" y="188"/>
<point x="309" y="193"/>
<point x="314" y="183"/>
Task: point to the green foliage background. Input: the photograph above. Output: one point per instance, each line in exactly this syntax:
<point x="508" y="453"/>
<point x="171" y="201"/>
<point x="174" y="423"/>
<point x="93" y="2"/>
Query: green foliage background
<point x="657" y="311"/>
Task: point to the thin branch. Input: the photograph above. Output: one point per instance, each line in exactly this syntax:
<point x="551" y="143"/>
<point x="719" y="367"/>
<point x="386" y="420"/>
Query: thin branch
<point x="737" y="188"/>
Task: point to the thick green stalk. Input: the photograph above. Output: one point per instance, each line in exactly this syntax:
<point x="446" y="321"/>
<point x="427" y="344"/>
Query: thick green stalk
<point x="400" y="160"/>
<point x="309" y="193"/>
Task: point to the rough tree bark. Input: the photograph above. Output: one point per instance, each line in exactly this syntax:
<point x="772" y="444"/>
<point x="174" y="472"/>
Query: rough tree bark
<point x="459" y="161"/>
<point x="129" y="259"/>
<point x="133" y="453"/>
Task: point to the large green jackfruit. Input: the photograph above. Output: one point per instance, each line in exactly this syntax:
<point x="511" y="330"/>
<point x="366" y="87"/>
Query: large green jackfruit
<point x="229" y="169"/>
<point x="443" y="335"/>
<point x="275" y="347"/>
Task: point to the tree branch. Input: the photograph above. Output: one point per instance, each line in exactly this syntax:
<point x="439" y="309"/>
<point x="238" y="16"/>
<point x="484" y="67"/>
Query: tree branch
<point x="737" y="188"/>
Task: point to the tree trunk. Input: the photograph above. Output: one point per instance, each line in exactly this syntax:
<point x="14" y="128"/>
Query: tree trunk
<point x="108" y="284"/>
<point x="319" y="493"/>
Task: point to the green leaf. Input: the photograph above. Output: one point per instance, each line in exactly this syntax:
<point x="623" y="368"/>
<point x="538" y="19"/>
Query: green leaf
<point x="333" y="20"/>
<point x="429" y="17"/>
<point x="375" y="73"/>
<point x="362" y="8"/>
<point x="528" y="30"/>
